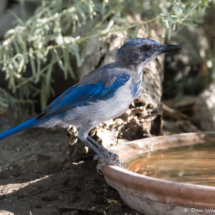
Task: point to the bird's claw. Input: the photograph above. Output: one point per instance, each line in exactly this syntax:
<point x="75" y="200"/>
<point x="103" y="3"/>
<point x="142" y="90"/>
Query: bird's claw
<point x="112" y="159"/>
<point x="108" y="158"/>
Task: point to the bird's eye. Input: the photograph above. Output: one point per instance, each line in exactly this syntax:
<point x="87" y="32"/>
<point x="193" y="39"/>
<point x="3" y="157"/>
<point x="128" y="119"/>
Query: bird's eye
<point x="145" y="48"/>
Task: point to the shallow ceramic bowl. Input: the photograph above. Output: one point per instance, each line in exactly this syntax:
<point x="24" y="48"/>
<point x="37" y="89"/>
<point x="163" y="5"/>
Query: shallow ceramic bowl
<point x="148" y="195"/>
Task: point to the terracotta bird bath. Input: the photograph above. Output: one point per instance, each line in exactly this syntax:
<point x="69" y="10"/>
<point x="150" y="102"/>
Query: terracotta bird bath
<point x="151" y="196"/>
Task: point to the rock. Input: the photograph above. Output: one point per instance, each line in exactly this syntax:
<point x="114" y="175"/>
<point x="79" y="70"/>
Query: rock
<point x="108" y="137"/>
<point x="204" y="109"/>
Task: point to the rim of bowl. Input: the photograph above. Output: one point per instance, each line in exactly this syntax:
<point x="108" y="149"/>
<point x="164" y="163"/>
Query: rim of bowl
<point x="181" y="193"/>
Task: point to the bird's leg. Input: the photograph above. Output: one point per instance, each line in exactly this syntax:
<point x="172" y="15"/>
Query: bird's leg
<point x="100" y="147"/>
<point x="109" y="157"/>
<point x="96" y="143"/>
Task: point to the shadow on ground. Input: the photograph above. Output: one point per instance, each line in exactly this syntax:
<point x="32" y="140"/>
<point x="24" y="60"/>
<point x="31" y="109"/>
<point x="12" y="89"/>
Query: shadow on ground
<point x="36" y="178"/>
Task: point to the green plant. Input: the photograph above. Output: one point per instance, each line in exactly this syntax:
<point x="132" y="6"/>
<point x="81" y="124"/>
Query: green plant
<point x="46" y="38"/>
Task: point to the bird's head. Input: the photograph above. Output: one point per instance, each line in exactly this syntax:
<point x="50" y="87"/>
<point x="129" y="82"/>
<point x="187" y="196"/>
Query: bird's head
<point x="141" y="51"/>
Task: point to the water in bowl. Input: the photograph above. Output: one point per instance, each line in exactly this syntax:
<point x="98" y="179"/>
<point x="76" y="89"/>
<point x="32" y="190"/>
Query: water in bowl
<point x="193" y="164"/>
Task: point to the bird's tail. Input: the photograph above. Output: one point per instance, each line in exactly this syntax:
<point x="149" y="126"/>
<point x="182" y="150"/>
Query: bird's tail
<point x="28" y="124"/>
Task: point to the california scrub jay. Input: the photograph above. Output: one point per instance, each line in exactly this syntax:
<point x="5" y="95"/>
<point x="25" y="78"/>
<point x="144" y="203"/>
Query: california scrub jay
<point x="100" y="96"/>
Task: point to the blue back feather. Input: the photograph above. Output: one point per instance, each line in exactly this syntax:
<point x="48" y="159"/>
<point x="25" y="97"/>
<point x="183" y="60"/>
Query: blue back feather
<point x="82" y="95"/>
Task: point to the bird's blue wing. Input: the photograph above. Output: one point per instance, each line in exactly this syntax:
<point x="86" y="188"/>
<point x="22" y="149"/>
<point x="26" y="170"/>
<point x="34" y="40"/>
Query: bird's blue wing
<point x="83" y="94"/>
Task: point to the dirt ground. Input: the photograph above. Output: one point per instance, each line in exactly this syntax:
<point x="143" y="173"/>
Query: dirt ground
<point x="36" y="178"/>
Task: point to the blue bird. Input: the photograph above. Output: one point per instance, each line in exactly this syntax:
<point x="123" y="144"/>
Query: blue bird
<point x="101" y="95"/>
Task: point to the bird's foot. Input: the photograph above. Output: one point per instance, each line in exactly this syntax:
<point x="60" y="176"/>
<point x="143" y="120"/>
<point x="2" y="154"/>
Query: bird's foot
<point x="109" y="159"/>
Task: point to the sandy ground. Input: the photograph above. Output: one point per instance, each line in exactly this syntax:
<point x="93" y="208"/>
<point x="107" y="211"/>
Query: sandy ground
<point x="36" y="178"/>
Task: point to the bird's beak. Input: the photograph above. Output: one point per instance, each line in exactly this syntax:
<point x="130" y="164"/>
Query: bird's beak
<point x="169" y="48"/>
